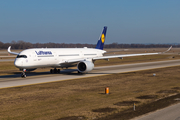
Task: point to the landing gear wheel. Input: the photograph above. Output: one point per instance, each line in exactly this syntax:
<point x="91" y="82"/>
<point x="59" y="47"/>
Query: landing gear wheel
<point x="58" y="71"/>
<point x="55" y="70"/>
<point x="23" y="75"/>
<point x="51" y="71"/>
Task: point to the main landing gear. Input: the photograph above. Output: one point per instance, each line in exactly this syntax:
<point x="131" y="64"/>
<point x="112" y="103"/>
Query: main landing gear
<point x="23" y="75"/>
<point x="55" y="70"/>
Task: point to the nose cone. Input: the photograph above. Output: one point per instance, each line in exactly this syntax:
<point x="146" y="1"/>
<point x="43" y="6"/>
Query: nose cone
<point x="18" y="63"/>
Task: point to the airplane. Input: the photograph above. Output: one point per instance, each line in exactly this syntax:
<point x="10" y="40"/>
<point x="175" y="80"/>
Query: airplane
<point x="83" y="58"/>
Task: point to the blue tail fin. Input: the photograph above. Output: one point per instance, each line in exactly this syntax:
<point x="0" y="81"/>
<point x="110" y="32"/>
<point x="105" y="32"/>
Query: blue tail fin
<point x="100" y="43"/>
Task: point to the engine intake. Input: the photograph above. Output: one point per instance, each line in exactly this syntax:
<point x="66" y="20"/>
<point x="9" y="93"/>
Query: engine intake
<point x="85" y="66"/>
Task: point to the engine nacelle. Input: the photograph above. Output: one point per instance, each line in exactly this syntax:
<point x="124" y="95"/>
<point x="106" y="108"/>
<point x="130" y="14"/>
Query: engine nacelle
<point x="85" y="66"/>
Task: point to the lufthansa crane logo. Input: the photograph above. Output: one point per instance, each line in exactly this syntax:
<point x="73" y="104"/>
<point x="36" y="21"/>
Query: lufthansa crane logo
<point x="102" y="38"/>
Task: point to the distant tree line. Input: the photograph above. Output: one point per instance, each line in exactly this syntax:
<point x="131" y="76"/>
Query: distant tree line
<point x="26" y="45"/>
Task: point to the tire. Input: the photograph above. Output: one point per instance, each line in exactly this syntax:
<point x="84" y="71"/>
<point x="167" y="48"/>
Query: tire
<point x="58" y="70"/>
<point x="22" y="75"/>
<point x="55" y="70"/>
<point x="51" y="71"/>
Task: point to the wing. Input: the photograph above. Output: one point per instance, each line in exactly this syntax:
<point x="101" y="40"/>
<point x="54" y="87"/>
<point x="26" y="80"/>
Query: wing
<point x="9" y="50"/>
<point x="114" y="56"/>
<point x="129" y="55"/>
<point x="121" y="56"/>
<point x="103" y="57"/>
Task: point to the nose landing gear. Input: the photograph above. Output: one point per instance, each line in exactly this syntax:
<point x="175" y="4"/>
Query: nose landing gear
<point x="23" y="75"/>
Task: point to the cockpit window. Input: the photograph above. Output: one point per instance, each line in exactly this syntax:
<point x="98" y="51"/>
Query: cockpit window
<point x="21" y="56"/>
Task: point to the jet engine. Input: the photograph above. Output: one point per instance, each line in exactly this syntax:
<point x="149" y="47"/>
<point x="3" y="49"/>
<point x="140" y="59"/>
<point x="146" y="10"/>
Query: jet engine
<point x="85" y="66"/>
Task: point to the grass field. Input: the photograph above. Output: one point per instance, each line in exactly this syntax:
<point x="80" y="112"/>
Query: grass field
<point x="84" y="99"/>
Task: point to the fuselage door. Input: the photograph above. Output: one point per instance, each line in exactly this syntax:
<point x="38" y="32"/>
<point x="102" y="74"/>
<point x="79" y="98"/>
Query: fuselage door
<point x="34" y="56"/>
<point x="81" y="54"/>
<point x="55" y="55"/>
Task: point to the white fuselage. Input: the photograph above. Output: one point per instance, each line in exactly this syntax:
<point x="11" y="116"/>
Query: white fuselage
<point x="53" y="57"/>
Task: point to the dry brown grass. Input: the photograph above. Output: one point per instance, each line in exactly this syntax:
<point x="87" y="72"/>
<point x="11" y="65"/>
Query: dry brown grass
<point x="7" y="66"/>
<point x="80" y="97"/>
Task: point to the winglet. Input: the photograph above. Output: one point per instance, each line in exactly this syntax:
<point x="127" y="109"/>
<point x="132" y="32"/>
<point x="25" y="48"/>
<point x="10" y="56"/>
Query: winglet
<point x="9" y="50"/>
<point x="100" y="43"/>
<point x="167" y="50"/>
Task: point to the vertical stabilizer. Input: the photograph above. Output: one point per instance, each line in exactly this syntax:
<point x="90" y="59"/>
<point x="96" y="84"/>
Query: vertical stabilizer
<point x="100" y="43"/>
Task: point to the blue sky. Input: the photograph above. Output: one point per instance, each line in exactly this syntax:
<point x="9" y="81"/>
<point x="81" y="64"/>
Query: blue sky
<point x="81" y="21"/>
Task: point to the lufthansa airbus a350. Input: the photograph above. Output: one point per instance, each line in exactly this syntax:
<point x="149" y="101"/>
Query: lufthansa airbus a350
<point x="83" y="58"/>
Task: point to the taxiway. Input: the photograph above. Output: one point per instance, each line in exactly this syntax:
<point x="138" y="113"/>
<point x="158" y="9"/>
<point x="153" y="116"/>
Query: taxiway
<point x="6" y="60"/>
<point x="45" y="77"/>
